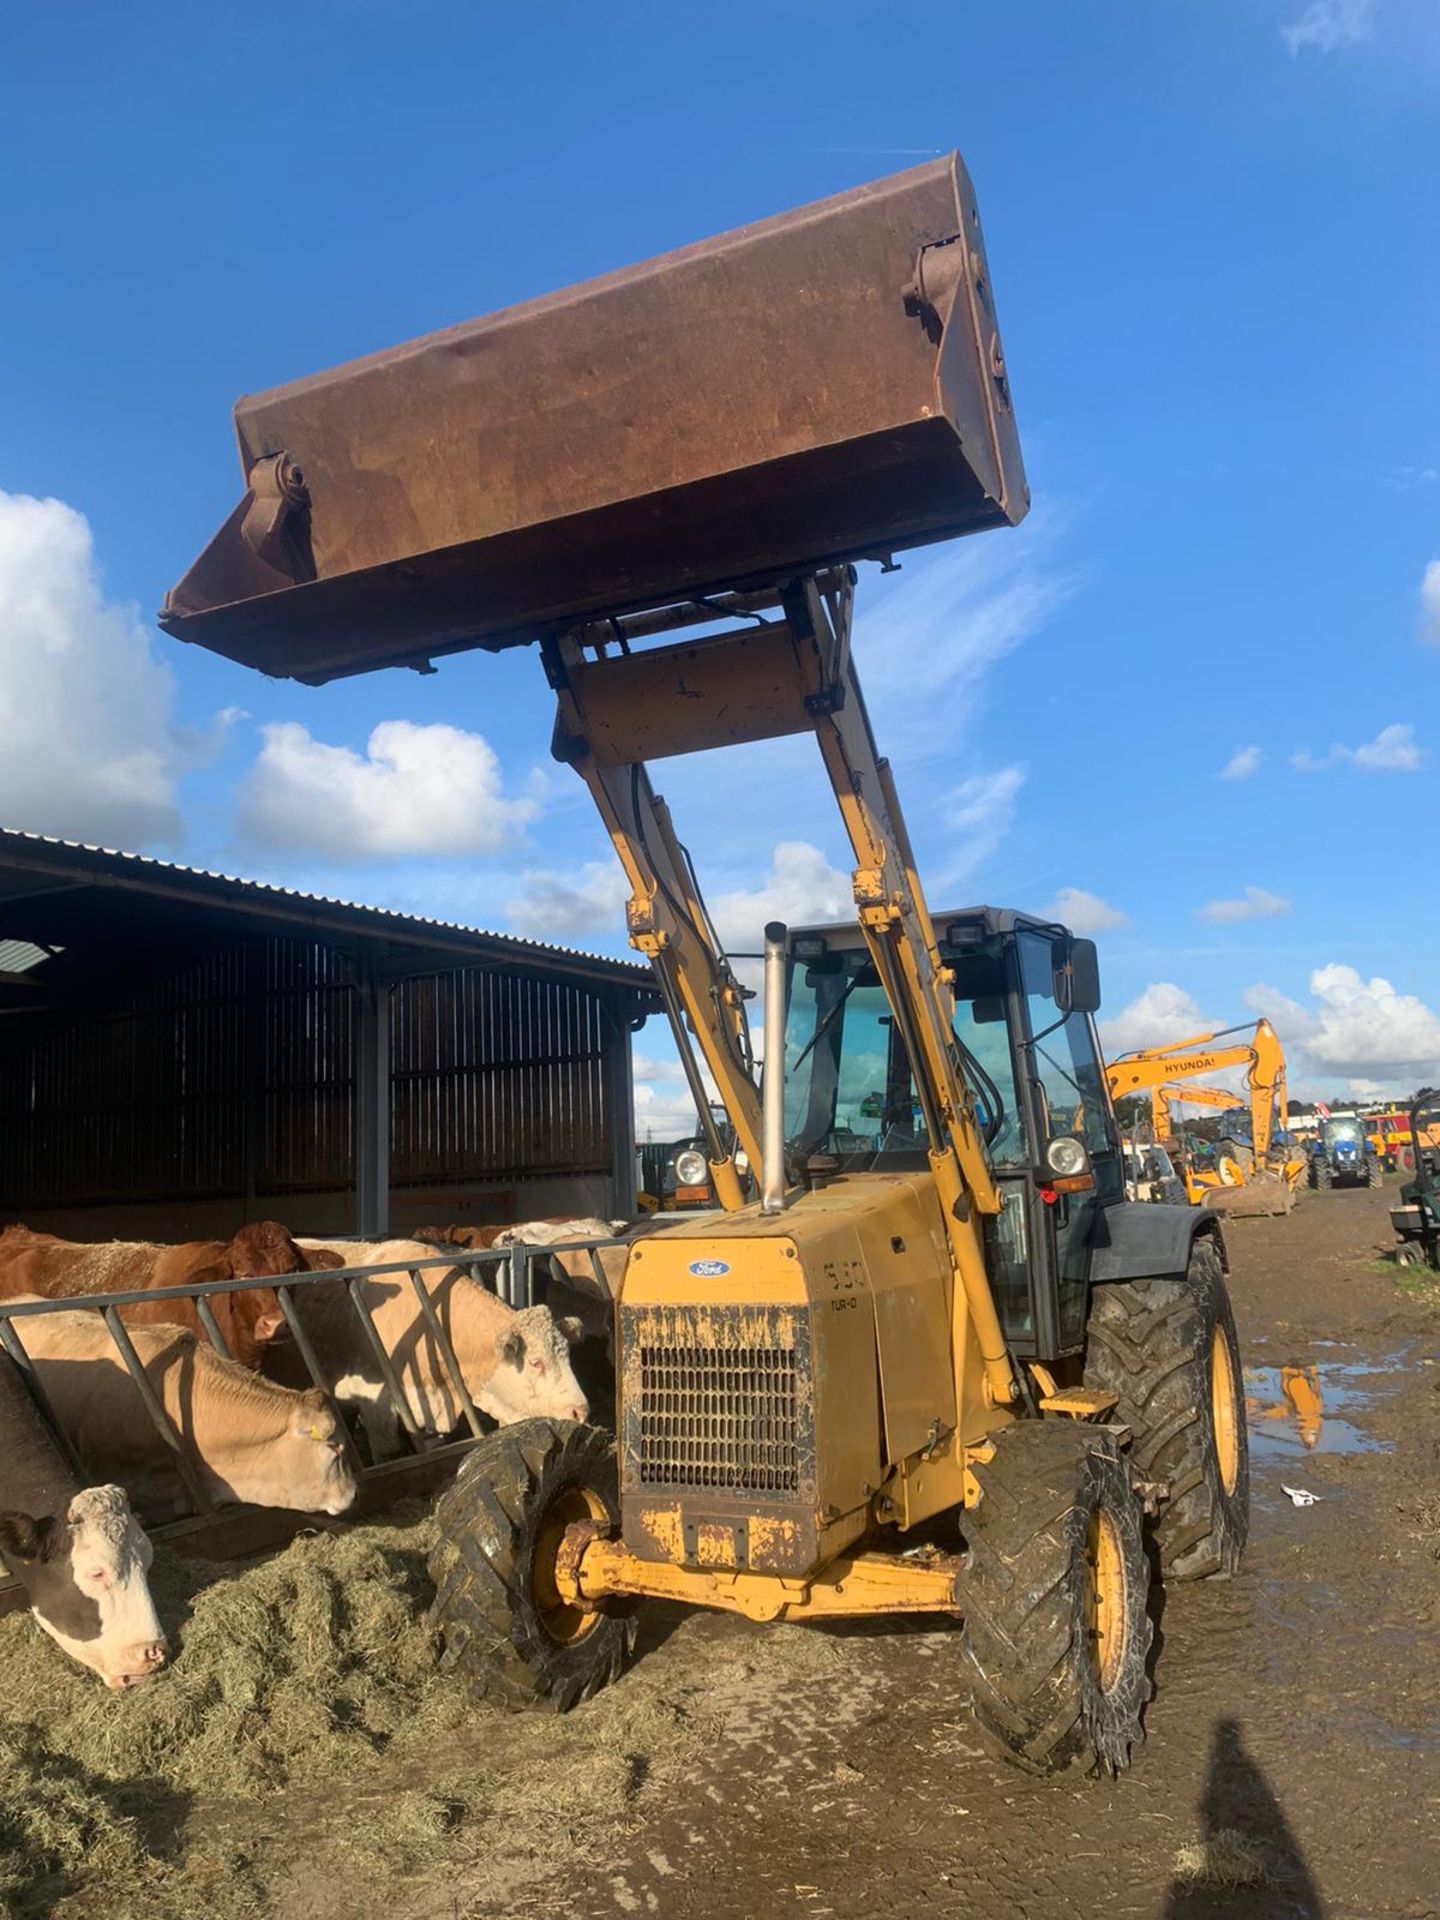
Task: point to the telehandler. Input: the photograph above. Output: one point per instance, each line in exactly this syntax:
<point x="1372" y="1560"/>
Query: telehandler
<point x="924" y="1358"/>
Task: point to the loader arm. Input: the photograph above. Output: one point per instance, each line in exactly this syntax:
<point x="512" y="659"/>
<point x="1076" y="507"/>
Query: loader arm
<point x="790" y="672"/>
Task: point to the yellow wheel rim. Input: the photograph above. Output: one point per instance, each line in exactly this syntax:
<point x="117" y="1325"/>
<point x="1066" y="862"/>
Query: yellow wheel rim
<point x="1105" y="1587"/>
<point x="564" y="1623"/>
<point x="1222" y="1402"/>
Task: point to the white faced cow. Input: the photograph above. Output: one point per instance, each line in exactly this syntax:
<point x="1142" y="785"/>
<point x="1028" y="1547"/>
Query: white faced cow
<point x="515" y="1365"/>
<point x="253" y="1440"/>
<point x="79" y="1553"/>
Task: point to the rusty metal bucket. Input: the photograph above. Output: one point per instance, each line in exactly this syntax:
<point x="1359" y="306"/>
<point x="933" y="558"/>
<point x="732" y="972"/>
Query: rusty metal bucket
<point x="824" y="386"/>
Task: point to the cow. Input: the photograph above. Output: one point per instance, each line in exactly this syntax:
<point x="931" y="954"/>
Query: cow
<point x="515" y="1365"/>
<point x="66" y="1269"/>
<point x="78" y="1552"/>
<point x="570" y="1276"/>
<point x="252" y="1439"/>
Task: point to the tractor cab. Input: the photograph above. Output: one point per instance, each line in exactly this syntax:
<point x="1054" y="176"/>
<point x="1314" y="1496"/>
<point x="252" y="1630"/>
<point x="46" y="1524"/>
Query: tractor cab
<point x="1025" y="995"/>
<point x="1342" y="1156"/>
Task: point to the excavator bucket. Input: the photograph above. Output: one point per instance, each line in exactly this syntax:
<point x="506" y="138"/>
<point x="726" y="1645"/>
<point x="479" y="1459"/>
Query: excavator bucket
<point x="821" y="387"/>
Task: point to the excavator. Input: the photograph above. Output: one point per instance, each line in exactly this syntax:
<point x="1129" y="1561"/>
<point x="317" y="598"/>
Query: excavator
<point x="922" y="1356"/>
<point x="1167" y="1073"/>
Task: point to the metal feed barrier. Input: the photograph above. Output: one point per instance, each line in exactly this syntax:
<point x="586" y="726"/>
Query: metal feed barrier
<point x="508" y="1272"/>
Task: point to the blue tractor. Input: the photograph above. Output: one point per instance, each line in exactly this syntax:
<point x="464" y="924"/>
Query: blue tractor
<point x="1342" y="1155"/>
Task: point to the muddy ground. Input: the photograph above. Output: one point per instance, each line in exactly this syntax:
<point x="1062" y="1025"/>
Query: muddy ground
<point x="739" y="1771"/>
<point x="1298" y="1705"/>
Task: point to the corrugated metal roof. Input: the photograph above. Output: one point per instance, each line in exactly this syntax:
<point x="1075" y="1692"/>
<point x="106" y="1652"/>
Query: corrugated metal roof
<point x="17" y="840"/>
<point x="19" y="956"/>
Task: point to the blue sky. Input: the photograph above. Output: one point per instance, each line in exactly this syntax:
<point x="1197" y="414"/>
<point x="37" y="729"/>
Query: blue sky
<point x="1212" y="230"/>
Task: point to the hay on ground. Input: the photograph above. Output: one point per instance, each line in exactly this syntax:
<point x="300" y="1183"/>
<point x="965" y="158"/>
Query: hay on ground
<point x="1224" y="1859"/>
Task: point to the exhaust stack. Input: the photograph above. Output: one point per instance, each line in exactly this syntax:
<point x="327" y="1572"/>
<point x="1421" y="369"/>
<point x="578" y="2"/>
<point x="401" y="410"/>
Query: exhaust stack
<point x="772" y="1190"/>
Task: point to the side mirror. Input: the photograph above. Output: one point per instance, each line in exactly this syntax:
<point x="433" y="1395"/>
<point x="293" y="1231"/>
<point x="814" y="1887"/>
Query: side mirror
<point x="1076" y="970"/>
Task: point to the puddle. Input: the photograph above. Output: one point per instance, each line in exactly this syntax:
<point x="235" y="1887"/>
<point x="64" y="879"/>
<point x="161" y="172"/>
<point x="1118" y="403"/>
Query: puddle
<point x="1300" y="1410"/>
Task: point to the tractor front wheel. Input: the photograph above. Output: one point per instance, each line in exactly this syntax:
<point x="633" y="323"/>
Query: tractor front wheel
<point x="1057" y="1633"/>
<point x="498" y="1612"/>
<point x="1169" y="1350"/>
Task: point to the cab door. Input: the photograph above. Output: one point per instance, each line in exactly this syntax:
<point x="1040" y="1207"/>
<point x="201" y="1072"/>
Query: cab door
<point x="1060" y="1062"/>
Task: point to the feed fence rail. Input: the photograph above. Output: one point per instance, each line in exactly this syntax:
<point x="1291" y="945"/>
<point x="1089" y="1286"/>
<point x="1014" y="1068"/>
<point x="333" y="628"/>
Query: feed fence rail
<point x="511" y="1273"/>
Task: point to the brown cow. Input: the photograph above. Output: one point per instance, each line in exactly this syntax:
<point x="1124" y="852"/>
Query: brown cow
<point x="254" y="1441"/>
<point x="68" y="1269"/>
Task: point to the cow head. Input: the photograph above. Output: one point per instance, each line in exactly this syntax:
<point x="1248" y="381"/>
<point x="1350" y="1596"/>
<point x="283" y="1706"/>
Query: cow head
<point x="84" y="1577"/>
<point x="264" y="1249"/>
<point x="533" y="1378"/>
<point x="304" y="1466"/>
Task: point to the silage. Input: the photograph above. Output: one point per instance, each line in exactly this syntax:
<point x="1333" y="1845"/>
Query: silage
<point x="303" y="1695"/>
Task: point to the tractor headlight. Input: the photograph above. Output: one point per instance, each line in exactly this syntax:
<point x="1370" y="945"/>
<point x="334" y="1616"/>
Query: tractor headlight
<point x="1066" y="1157"/>
<point x="692" y="1169"/>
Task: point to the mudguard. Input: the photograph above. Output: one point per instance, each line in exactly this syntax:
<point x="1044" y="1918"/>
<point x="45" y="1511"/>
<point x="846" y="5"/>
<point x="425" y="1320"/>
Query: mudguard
<point x="1140" y="1240"/>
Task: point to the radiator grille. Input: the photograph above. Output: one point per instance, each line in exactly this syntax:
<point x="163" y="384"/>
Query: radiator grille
<point x="721" y="1418"/>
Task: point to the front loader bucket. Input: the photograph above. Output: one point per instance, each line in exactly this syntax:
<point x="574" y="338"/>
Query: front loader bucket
<point x="821" y="387"/>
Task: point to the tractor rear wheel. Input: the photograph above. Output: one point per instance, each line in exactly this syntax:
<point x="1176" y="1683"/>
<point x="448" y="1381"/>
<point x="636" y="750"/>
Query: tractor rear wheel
<point x="1168" y="1348"/>
<point x="1057" y="1633"/>
<point x="500" y="1620"/>
<point x="1323" y="1175"/>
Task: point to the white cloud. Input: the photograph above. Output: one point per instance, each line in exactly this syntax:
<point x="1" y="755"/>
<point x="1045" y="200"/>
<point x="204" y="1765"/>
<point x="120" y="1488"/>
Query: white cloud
<point x="1084" y="913"/>
<point x="1430" y="603"/>
<point x="417" y="791"/>
<point x="668" y="1115"/>
<point x="88" y="748"/>
<point x="558" y="906"/>
<point x="951" y="617"/>
<point x="1163" y="1014"/>
<point x="801" y="888"/>
<point x="1328" y="25"/>
<point x="647" y="1070"/>
<point x="977" y="816"/>
<point x="1361" y="1032"/>
<point x="1241" y="764"/>
<point x="1256" y="904"/>
<point x="1393" y="750"/>
<point x="1366" y="1025"/>
<point x="1289" y="1019"/>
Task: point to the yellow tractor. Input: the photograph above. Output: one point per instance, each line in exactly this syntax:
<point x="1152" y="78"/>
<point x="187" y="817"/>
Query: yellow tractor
<point x="923" y="1357"/>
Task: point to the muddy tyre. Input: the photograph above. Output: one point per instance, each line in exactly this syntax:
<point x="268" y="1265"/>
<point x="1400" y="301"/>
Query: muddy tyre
<point x="1168" y="1348"/>
<point x="1323" y="1176"/>
<point x="500" y="1621"/>
<point x="1057" y="1633"/>
<point x="1374" y="1174"/>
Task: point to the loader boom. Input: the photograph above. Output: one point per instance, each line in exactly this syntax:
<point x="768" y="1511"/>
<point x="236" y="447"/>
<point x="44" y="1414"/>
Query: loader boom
<point x="789" y="672"/>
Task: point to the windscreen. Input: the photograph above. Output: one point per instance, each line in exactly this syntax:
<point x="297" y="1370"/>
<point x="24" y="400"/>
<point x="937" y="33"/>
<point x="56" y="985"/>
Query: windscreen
<point x="848" y="1086"/>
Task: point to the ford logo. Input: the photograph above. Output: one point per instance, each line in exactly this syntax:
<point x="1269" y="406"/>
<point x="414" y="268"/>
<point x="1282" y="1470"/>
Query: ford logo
<point x="709" y="1269"/>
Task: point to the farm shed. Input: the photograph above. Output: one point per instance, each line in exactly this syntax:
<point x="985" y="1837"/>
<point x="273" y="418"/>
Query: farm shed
<point x="181" y="1051"/>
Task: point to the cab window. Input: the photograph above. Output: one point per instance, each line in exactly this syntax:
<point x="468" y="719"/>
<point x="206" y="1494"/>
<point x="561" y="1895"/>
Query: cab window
<point x="1069" y="1081"/>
